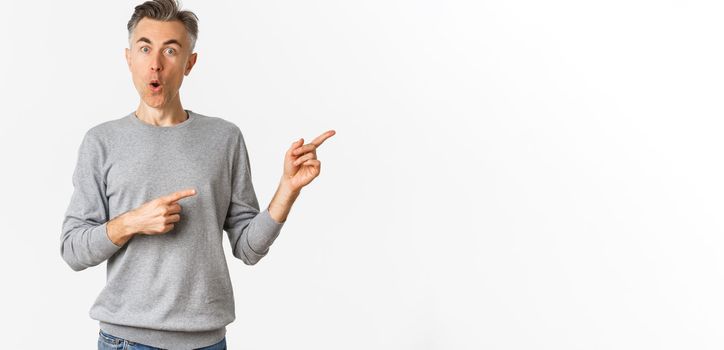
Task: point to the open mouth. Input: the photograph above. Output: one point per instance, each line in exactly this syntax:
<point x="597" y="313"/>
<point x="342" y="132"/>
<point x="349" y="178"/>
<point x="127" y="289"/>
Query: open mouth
<point x="155" y="85"/>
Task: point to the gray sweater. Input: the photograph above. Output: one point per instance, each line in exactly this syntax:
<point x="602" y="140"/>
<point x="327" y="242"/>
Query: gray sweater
<point x="170" y="290"/>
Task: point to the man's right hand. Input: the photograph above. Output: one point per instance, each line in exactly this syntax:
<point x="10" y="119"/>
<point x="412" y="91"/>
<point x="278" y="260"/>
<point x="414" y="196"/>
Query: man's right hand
<point x="154" y="217"/>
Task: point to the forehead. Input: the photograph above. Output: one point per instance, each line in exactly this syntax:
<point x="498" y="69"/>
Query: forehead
<point x="160" y="31"/>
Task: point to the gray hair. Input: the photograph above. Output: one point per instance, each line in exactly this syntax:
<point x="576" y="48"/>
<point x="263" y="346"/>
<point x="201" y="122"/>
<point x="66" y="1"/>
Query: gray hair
<point x="165" y="10"/>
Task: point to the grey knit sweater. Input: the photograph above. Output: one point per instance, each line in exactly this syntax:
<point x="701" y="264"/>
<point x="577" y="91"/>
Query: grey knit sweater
<point x="171" y="290"/>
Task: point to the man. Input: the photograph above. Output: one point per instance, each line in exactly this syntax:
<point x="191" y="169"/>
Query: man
<point x="153" y="193"/>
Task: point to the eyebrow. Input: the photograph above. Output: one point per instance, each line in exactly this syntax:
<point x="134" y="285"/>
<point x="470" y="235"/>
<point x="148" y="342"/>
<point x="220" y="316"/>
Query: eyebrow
<point x="171" y="41"/>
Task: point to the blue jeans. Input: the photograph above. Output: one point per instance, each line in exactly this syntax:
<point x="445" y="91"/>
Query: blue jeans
<point x="110" y="342"/>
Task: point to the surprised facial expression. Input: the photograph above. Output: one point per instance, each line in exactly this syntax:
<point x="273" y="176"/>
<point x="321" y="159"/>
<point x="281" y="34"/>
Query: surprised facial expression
<point x="159" y="57"/>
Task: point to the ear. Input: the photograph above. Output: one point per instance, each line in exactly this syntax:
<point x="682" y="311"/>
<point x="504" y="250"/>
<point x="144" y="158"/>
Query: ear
<point x="128" y="57"/>
<point x="190" y="63"/>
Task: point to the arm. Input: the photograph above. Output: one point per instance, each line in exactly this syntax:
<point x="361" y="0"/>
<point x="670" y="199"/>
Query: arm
<point x="250" y="231"/>
<point x="282" y="201"/>
<point x="84" y="240"/>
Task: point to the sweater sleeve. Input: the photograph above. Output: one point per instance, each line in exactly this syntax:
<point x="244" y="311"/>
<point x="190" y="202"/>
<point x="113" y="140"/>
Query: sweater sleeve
<point x="250" y="231"/>
<point x="84" y="241"/>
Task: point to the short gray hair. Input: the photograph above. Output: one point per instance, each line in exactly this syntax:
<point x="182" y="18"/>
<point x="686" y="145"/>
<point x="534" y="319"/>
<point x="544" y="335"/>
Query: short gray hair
<point x="165" y="10"/>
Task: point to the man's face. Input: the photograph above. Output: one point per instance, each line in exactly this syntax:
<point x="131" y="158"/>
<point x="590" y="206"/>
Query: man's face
<point x="158" y="58"/>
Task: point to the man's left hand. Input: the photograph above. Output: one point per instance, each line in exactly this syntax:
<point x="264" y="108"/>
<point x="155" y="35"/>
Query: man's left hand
<point x="301" y="165"/>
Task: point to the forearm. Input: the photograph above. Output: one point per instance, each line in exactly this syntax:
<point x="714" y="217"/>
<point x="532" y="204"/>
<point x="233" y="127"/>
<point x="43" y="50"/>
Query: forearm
<point x="282" y="201"/>
<point x="251" y="234"/>
<point x="84" y="245"/>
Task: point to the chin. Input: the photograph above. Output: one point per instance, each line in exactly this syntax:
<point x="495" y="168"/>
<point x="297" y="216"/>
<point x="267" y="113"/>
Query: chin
<point x="155" y="102"/>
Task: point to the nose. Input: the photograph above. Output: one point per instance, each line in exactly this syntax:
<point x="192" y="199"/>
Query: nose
<point x="156" y="64"/>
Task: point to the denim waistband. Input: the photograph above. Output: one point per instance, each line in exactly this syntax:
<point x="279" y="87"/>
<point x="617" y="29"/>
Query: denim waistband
<point x="164" y="339"/>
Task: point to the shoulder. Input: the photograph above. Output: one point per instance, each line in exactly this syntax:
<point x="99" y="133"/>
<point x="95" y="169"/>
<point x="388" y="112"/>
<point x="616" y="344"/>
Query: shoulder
<point x="102" y="133"/>
<point x="219" y="126"/>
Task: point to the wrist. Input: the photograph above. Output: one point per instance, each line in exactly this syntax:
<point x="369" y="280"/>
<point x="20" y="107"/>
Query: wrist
<point x="286" y="189"/>
<point x="120" y="229"/>
<point x="127" y="221"/>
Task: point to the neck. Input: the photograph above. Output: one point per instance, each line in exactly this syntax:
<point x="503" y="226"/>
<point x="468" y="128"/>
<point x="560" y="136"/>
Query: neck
<point x="167" y="115"/>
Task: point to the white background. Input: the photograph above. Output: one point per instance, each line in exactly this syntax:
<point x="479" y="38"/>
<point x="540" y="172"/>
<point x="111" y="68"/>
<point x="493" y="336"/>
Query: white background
<point x="505" y="175"/>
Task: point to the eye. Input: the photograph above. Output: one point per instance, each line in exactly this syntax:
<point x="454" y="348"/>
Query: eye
<point x="145" y="49"/>
<point x="171" y="51"/>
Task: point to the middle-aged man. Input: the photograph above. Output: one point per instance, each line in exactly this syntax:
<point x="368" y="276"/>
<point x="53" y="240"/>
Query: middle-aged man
<point x="155" y="189"/>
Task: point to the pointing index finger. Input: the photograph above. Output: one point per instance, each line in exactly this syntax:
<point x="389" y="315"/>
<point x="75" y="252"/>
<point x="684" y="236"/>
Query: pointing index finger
<point x="173" y="197"/>
<point x="321" y="138"/>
